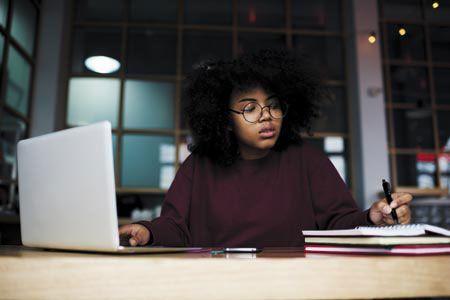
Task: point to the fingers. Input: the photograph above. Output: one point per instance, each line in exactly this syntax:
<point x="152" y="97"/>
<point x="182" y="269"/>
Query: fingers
<point x="134" y="234"/>
<point x="400" y="199"/>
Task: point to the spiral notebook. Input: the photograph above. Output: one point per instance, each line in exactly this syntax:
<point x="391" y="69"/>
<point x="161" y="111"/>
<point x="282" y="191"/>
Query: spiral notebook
<point x="381" y="231"/>
<point x="410" y="234"/>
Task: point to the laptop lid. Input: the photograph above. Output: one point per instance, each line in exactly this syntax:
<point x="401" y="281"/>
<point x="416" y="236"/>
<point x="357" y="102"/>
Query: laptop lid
<point x="67" y="190"/>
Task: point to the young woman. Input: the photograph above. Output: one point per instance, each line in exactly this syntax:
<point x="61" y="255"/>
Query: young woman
<point x="251" y="180"/>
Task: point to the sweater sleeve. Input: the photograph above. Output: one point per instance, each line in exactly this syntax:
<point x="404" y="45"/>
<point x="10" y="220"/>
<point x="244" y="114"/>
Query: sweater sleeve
<point x="171" y="228"/>
<point x="334" y="206"/>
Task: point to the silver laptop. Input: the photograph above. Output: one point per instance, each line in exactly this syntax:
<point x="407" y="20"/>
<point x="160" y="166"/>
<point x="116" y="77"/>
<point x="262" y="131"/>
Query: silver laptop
<point x="67" y="192"/>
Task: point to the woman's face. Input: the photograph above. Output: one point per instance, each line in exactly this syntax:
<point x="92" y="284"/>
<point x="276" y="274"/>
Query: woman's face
<point x="255" y="139"/>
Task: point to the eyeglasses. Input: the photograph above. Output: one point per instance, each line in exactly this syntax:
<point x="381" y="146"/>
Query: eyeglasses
<point x="253" y="111"/>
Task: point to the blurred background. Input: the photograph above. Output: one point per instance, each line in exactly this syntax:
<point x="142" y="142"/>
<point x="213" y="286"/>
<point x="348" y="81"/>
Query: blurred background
<point x="74" y="62"/>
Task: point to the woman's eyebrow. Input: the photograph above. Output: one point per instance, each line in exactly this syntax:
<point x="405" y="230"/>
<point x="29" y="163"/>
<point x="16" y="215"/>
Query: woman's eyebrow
<point x="254" y="100"/>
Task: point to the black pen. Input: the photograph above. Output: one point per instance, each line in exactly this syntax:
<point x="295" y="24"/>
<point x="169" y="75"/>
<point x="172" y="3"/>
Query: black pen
<point x="387" y="193"/>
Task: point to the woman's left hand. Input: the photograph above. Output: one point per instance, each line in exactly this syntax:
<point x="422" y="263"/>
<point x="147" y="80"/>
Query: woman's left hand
<point x="380" y="212"/>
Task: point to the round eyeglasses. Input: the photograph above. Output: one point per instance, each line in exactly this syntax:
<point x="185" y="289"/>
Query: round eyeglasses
<point x="253" y="111"/>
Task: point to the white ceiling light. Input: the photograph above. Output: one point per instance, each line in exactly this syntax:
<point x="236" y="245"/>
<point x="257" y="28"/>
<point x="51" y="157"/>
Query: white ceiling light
<point x="102" y="64"/>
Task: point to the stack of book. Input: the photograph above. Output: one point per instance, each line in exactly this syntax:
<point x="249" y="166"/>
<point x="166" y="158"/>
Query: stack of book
<point x="410" y="239"/>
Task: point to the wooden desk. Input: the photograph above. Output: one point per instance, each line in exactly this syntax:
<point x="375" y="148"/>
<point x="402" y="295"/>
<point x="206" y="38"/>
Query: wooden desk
<point x="272" y="274"/>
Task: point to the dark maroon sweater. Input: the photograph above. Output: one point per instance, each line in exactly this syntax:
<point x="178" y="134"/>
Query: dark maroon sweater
<point x="264" y="202"/>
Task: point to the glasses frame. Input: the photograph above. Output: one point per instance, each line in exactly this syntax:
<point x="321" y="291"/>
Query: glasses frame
<point x="242" y="112"/>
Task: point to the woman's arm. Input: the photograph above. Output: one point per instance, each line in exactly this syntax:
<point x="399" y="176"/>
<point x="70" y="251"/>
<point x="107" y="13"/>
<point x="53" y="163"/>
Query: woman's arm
<point x="172" y="227"/>
<point x="334" y="206"/>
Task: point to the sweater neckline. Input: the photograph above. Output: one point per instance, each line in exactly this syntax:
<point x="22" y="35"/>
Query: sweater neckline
<point x="256" y="161"/>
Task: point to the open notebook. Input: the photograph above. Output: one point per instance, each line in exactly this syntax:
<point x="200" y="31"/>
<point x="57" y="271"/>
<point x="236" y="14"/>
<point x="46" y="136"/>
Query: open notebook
<point x="394" y="230"/>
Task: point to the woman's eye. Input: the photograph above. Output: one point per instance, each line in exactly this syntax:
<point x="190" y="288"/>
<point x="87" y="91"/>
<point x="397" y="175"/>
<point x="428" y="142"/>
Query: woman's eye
<point x="249" y="108"/>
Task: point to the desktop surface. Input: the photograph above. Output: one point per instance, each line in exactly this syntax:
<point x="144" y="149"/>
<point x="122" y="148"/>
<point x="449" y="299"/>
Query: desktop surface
<point x="274" y="273"/>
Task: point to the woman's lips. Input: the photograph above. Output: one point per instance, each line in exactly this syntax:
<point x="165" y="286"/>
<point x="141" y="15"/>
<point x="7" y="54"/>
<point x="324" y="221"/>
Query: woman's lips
<point x="267" y="133"/>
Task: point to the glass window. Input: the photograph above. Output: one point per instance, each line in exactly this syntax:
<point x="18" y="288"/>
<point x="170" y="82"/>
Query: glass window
<point x="152" y="51"/>
<point x="317" y="15"/>
<point x="18" y="82"/>
<point x="24" y="24"/>
<point x="409" y="46"/>
<point x="3" y="12"/>
<point x="335" y="148"/>
<point x="444" y="130"/>
<point x="99" y="10"/>
<point x="410" y="85"/>
<point x="442" y="86"/>
<point x="417" y="170"/>
<point x="325" y="52"/>
<point x="149" y="105"/>
<point x="93" y="99"/>
<point x="148" y="161"/>
<point x="402" y="9"/>
<point x="334" y="113"/>
<point x="153" y="10"/>
<point x="254" y="41"/>
<point x="90" y="42"/>
<point x="208" y="12"/>
<point x="444" y="168"/>
<point x="440" y="14"/>
<point x="413" y="128"/>
<point x="263" y="13"/>
<point x="183" y="150"/>
<point x="12" y="130"/>
<point x="440" y="43"/>
<point x="203" y="45"/>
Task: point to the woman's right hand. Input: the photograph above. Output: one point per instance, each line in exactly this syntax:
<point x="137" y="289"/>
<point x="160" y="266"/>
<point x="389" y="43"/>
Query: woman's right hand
<point x="134" y="234"/>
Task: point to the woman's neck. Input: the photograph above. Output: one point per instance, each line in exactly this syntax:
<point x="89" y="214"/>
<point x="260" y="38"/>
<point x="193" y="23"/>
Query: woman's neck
<point x="250" y="154"/>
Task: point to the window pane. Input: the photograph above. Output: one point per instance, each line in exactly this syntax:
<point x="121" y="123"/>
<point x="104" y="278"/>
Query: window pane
<point x="152" y="51"/>
<point x="148" y="161"/>
<point x="149" y="105"/>
<point x="12" y="130"/>
<point x="99" y="10"/>
<point x="442" y="86"/>
<point x="402" y="9"/>
<point x="444" y="130"/>
<point x="207" y="12"/>
<point x="441" y="14"/>
<point x="444" y="168"/>
<point x="440" y="43"/>
<point x="410" y="46"/>
<point x="264" y="13"/>
<point x="318" y="15"/>
<point x="252" y="42"/>
<point x="203" y="45"/>
<point x="153" y="10"/>
<point x="183" y="150"/>
<point x="413" y="128"/>
<point x="335" y="147"/>
<point x="24" y="21"/>
<point x="326" y="52"/>
<point x="410" y="85"/>
<point x="93" y="99"/>
<point x="3" y="12"/>
<point x="334" y="114"/>
<point x="95" y="42"/>
<point x="417" y="170"/>
<point x="18" y="82"/>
